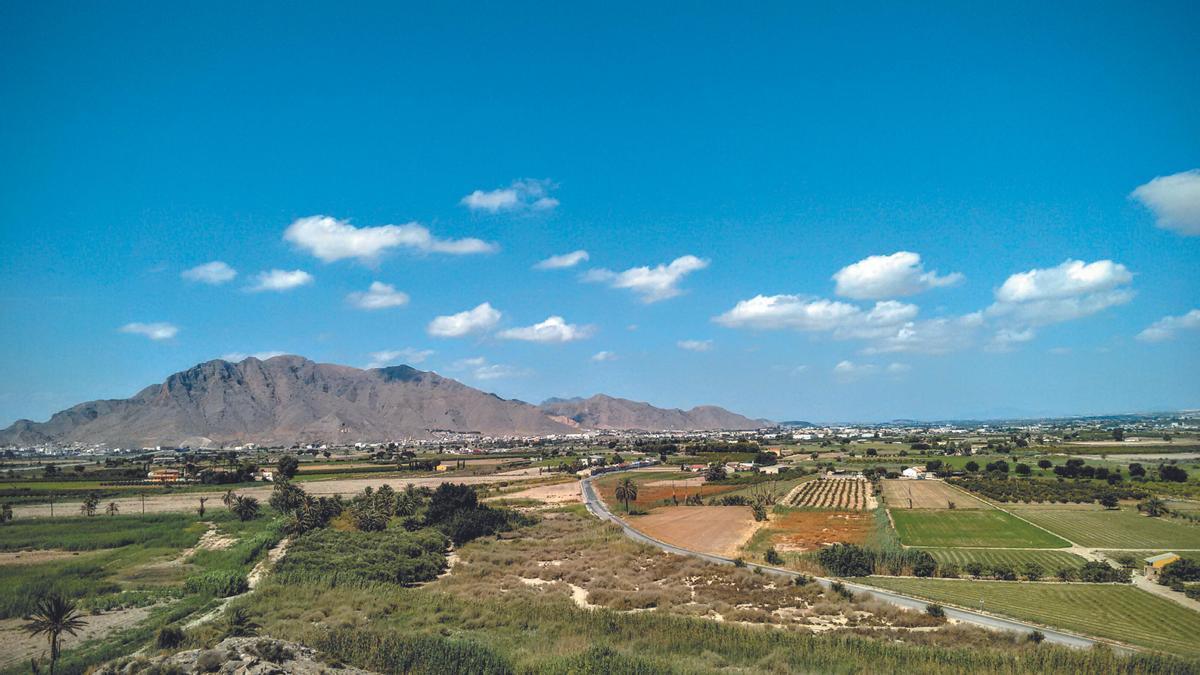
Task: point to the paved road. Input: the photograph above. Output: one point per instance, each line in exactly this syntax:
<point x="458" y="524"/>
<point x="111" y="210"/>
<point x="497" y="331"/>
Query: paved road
<point x="597" y="507"/>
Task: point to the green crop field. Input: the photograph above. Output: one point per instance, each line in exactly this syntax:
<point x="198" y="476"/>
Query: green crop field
<point x="979" y="529"/>
<point x="1051" y="561"/>
<point x="1124" y="528"/>
<point x="1110" y="611"/>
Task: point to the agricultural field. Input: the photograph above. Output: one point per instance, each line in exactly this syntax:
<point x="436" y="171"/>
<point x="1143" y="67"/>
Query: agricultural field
<point x="843" y="494"/>
<point x="799" y="530"/>
<point x="927" y="494"/>
<point x="971" y="529"/>
<point x="1097" y="527"/>
<point x="1050" y="560"/>
<point x="720" y="530"/>
<point x="1111" y="611"/>
<point x="658" y="488"/>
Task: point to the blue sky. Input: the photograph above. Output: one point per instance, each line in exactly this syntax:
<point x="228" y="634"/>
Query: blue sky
<point x="967" y="155"/>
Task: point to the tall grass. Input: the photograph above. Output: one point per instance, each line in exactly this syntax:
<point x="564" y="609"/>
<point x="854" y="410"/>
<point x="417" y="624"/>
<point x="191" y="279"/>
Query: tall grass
<point x="22" y="585"/>
<point x="335" y="558"/>
<point x="167" y="530"/>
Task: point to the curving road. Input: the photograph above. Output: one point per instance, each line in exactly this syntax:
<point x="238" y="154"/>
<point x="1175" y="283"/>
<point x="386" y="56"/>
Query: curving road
<point x="597" y="507"/>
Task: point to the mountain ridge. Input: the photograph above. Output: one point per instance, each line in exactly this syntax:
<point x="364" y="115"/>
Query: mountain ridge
<point x="288" y="399"/>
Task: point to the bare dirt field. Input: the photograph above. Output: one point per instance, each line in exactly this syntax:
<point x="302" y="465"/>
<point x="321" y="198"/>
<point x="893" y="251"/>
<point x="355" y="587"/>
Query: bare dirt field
<point x="927" y="494"/>
<point x="190" y="500"/>
<point x="810" y="530"/>
<point x="693" y="481"/>
<point x="20" y="647"/>
<point x="559" y="493"/>
<point x="720" y="530"/>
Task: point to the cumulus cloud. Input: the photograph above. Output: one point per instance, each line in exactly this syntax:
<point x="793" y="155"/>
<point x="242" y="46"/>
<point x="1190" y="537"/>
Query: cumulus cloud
<point x="154" y="331"/>
<point x="523" y="195"/>
<point x="651" y="283"/>
<point x="848" y="371"/>
<point x="1174" y="200"/>
<point x="481" y="318"/>
<point x="280" y="280"/>
<point x="408" y="355"/>
<point x="802" y="313"/>
<point x="695" y="345"/>
<point x="331" y="239"/>
<point x="378" y="296"/>
<point x="237" y="357"/>
<point x="558" y="262"/>
<point x="480" y="368"/>
<point x="553" y="329"/>
<point x="602" y="356"/>
<point x="1069" y="291"/>
<point x="1168" y="327"/>
<point x="213" y="273"/>
<point x="889" y="276"/>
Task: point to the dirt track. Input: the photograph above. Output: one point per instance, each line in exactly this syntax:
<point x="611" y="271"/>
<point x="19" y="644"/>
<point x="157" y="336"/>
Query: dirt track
<point x="189" y="501"/>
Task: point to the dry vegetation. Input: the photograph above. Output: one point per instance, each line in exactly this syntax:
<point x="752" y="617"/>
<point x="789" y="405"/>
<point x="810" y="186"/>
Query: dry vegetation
<point x="572" y="551"/>
<point x="927" y="494"/>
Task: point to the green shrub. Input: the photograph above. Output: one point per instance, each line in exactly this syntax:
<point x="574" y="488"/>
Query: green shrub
<point x="217" y="583"/>
<point x="336" y="558"/>
<point x="935" y="611"/>
<point x="169" y="637"/>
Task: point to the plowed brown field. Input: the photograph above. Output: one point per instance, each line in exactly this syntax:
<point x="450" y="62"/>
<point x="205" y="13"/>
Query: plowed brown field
<point x="720" y="530"/>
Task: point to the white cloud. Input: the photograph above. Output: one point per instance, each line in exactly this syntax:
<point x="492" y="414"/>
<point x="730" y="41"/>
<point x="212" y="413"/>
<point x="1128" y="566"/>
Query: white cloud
<point x="1167" y="327"/>
<point x="932" y="336"/>
<point x="332" y="239"/>
<point x="280" y="280"/>
<point x="214" y="273"/>
<point x="408" y="355"/>
<point x="553" y="329"/>
<point x="237" y="357"/>
<point x="480" y="369"/>
<point x="476" y="320"/>
<point x="695" y="345"/>
<point x="154" y="331"/>
<point x="651" y="283"/>
<point x="1069" y="291"/>
<point x="802" y="313"/>
<point x="558" y="262"/>
<point x="1006" y="338"/>
<point x="848" y="371"/>
<point x="604" y="356"/>
<point x="378" y="296"/>
<point x="1175" y="201"/>
<point x="898" y="368"/>
<point x="889" y="276"/>
<point x="523" y="195"/>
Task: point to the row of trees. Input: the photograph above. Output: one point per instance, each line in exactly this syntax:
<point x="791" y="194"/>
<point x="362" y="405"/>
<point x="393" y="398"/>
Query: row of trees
<point x="1076" y="491"/>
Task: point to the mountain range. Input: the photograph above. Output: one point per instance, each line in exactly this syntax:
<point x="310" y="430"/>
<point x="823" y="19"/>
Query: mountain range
<point x="287" y="399"/>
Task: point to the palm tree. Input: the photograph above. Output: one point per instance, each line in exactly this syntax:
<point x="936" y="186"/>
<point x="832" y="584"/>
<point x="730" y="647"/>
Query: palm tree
<point x="6" y="513"/>
<point x="245" y="508"/>
<point x="1154" y="507"/>
<point x="229" y="498"/>
<point x="112" y="509"/>
<point x="201" y="509"/>
<point x="627" y="490"/>
<point x="54" y="615"/>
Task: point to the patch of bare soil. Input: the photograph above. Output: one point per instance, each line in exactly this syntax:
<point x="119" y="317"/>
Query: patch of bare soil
<point x="927" y="494"/>
<point x="559" y="493"/>
<point x="19" y="647"/>
<point x="720" y="530"/>
<point x="810" y="530"/>
<point x="38" y="556"/>
<point x="189" y="501"/>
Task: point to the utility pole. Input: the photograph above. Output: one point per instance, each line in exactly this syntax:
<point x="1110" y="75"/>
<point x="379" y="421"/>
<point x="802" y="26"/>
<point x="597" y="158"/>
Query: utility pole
<point x="143" y="503"/>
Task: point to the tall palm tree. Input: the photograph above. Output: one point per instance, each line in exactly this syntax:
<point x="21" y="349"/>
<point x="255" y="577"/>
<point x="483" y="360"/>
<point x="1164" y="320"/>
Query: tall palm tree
<point x="112" y="509"/>
<point x="229" y="498"/>
<point x="627" y="490"/>
<point x="245" y="508"/>
<point x="201" y="509"/>
<point x="54" y="615"/>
